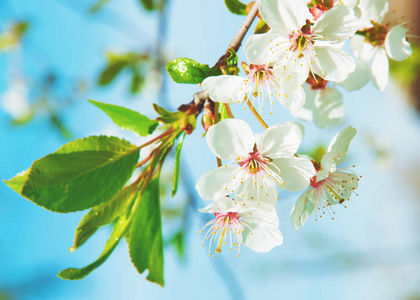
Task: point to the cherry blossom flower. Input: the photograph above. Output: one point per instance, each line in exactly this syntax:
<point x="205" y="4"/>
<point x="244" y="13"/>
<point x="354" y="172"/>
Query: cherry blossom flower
<point x="378" y="39"/>
<point x="262" y="83"/>
<point x="259" y="163"/>
<point x="330" y="186"/>
<point x="255" y="226"/>
<point x="298" y="43"/>
<point x="324" y="102"/>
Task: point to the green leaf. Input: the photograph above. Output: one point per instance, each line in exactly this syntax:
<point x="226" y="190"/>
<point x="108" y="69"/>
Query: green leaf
<point x="166" y="116"/>
<point x="111" y="71"/>
<point x="236" y="7"/>
<point x="261" y="27"/>
<point x="59" y="125"/>
<point x="137" y="82"/>
<point x="145" y="235"/>
<point x="81" y="174"/>
<point x="177" y="165"/>
<point x="147" y="4"/>
<point x="119" y="230"/>
<point x="17" y="182"/>
<point x="97" y="6"/>
<point x="178" y="241"/>
<point x="127" y="119"/>
<point x="103" y="214"/>
<point x="185" y="70"/>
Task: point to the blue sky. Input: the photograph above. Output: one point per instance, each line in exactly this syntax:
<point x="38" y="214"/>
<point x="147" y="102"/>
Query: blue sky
<point x="370" y="250"/>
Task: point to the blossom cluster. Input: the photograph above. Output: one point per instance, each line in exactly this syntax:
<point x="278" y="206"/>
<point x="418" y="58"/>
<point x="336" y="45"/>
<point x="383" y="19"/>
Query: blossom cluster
<point x="300" y="61"/>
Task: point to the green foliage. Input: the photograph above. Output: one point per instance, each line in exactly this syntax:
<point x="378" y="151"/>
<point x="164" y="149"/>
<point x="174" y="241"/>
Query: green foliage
<point x="56" y="122"/>
<point x="231" y="64"/>
<point x="128" y="119"/>
<point x="79" y="175"/>
<point x="177" y="166"/>
<point x="144" y="238"/>
<point x="185" y="70"/>
<point x="120" y="228"/>
<point x="97" y="6"/>
<point x="261" y="27"/>
<point x="137" y="82"/>
<point x="147" y="4"/>
<point x="406" y="71"/>
<point x="133" y="62"/>
<point x="11" y="37"/>
<point x="103" y="214"/>
<point x="166" y="116"/>
<point x="317" y="153"/>
<point x="17" y="182"/>
<point x="178" y="241"/>
<point x="236" y="7"/>
<point x="111" y="71"/>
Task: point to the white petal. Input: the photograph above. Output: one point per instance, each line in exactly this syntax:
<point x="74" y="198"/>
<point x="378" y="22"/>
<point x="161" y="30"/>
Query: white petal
<point x="263" y="239"/>
<point x="380" y="69"/>
<point x="293" y="100"/>
<point x="249" y="191"/>
<point x="337" y="152"/>
<point x="329" y="108"/>
<point x="284" y="16"/>
<point x="218" y="182"/>
<point x="357" y="13"/>
<point x="264" y="222"/>
<point x="361" y="49"/>
<point x="306" y="112"/>
<point x="359" y="78"/>
<point x="225" y="88"/>
<point x="350" y="3"/>
<point x="281" y="140"/>
<point x="230" y="139"/>
<point x="341" y="143"/>
<point x="224" y="204"/>
<point x="372" y="10"/>
<point x="396" y="44"/>
<point x="261" y="214"/>
<point x="296" y="172"/>
<point x="302" y="209"/>
<point x="338" y="23"/>
<point x="336" y="64"/>
<point x="257" y="47"/>
<point x="295" y="66"/>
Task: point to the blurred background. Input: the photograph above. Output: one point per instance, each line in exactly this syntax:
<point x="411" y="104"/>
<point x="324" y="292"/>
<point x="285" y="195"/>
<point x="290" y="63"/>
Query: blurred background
<point x="56" y="54"/>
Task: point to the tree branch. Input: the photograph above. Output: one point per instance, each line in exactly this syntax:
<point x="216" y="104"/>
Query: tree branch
<point x="235" y="44"/>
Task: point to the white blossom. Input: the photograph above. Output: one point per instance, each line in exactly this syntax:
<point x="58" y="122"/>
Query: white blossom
<point x="255" y="226"/>
<point x="298" y="43"/>
<point x="330" y="186"/>
<point x="259" y="163"/>
<point x="379" y="39"/>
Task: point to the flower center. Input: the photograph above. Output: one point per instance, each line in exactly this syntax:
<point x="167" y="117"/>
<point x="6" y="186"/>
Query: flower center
<point x="316" y="82"/>
<point x="375" y="35"/>
<point x="226" y="224"/>
<point x="302" y="39"/>
<point x="261" y="83"/>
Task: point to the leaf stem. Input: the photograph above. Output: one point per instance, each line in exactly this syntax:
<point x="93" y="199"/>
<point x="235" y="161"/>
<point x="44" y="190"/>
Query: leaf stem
<point x="251" y="107"/>
<point x="167" y="132"/>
